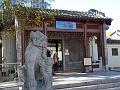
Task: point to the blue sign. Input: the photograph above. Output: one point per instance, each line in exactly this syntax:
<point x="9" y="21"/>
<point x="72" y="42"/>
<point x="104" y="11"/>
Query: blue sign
<point x="65" y="25"/>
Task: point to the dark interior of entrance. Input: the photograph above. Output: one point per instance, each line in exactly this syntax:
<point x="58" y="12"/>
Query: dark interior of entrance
<point x="56" y="46"/>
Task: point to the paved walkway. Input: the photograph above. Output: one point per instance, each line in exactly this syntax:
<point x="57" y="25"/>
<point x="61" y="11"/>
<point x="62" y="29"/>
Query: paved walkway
<point x="70" y="78"/>
<point x="64" y="80"/>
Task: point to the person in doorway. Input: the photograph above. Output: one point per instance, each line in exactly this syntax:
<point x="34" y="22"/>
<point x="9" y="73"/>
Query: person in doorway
<point x="55" y="58"/>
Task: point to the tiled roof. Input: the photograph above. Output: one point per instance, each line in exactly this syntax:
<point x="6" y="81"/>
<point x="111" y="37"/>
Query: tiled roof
<point x="117" y="32"/>
<point x="109" y="41"/>
<point x="74" y="14"/>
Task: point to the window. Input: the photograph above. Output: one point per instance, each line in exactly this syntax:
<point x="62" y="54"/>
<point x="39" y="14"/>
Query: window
<point x="114" y="51"/>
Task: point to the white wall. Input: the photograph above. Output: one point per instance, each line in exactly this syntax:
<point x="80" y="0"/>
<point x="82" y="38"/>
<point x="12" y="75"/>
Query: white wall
<point x="19" y="47"/>
<point x="9" y="49"/>
<point x="113" y="61"/>
<point x="93" y="50"/>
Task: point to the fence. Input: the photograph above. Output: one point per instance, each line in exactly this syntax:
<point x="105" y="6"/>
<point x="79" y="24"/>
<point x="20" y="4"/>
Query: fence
<point x="9" y="72"/>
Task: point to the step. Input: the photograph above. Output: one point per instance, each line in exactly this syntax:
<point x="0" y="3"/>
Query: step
<point x="115" y="88"/>
<point x="93" y="87"/>
<point x="89" y="88"/>
<point x="11" y="88"/>
<point x="109" y="82"/>
<point x="13" y="85"/>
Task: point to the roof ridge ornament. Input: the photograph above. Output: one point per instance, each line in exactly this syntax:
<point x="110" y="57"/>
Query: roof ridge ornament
<point x="96" y="12"/>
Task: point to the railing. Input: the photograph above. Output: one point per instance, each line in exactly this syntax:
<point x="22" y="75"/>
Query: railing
<point x="9" y="72"/>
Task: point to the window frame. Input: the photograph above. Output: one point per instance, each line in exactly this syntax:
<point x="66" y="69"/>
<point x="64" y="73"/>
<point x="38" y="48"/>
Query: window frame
<point x="114" y="51"/>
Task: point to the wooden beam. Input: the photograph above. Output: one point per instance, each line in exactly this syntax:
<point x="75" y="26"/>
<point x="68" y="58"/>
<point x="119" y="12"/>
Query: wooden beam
<point x="93" y="30"/>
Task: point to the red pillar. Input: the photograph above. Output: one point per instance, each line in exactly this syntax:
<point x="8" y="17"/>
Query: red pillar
<point x="85" y="41"/>
<point x="44" y="28"/>
<point x="102" y="45"/>
<point x="85" y="45"/>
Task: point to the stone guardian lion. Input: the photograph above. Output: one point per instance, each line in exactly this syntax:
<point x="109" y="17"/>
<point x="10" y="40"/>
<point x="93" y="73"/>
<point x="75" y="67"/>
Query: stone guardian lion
<point x="36" y="73"/>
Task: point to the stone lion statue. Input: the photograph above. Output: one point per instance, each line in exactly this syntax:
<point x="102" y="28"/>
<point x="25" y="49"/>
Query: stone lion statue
<point x="36" y="73"/>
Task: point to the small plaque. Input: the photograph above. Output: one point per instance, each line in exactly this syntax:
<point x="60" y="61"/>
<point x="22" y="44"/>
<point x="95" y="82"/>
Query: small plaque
<point x="87" y="61"/>
<point x="66" y="52"/>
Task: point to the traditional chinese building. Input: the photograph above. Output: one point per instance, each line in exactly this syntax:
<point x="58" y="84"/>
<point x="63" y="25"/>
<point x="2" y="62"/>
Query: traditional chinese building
<point x="75" y="35"/>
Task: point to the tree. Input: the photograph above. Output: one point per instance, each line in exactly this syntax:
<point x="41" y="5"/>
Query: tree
<point x="9" y="9"/>
<point x="42" y="4"/>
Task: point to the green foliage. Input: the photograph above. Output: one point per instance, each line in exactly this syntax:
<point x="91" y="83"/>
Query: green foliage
<point x="21" y="10"/>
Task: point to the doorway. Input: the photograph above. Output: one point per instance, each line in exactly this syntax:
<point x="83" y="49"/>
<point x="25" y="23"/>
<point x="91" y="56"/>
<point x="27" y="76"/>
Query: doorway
<point x="56" y="46"/>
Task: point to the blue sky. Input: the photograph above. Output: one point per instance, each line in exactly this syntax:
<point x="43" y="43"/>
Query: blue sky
<point x="111" y="8"/>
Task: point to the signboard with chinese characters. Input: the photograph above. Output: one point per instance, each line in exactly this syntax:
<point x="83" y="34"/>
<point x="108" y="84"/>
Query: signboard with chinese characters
<point x="87" y="61"/>
<point x="66" y="25"/>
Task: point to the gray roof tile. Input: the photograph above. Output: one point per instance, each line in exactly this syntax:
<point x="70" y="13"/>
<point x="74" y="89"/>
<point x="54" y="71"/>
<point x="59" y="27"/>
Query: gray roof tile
<point x="71" y="13"/>
<point x="74" y="14"/>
